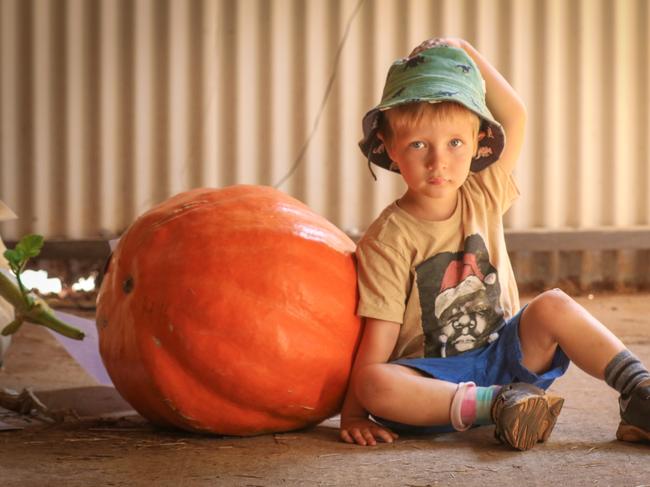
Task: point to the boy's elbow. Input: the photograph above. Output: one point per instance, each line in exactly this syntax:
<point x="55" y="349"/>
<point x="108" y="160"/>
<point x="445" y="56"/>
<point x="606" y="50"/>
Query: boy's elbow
<point x="519" y="111"/>
<point x="516" y="120"/>
<point x="523" y="112"/>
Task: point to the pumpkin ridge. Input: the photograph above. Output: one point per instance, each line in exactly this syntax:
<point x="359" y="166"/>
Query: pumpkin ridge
<point x="167" y="392"/>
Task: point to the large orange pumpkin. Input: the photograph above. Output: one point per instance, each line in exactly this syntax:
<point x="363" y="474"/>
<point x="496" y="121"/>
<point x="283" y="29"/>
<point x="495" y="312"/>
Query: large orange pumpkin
<point x="230" y="311"/>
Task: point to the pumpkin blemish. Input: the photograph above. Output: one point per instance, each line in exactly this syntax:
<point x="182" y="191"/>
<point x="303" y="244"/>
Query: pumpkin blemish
<point x="128" y="285"/>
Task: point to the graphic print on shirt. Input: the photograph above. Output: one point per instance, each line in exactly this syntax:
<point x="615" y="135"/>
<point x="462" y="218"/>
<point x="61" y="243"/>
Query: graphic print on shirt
<point x="459" y="296"/>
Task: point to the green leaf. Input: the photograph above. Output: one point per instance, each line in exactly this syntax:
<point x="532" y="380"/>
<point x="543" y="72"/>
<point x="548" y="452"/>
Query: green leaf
<point x="15" y="257"/>
<point x="12" y="327"/>
<point x="30" y="245"/>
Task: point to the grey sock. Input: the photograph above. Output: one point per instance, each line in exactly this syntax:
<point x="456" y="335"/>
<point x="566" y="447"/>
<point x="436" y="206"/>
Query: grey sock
<point x="625" y="372"/>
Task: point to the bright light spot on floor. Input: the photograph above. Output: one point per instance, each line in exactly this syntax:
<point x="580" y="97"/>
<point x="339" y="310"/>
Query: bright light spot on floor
<point x="84" y="284"/>
<point x="590" y="297"/>
<point x="39" y="280"/>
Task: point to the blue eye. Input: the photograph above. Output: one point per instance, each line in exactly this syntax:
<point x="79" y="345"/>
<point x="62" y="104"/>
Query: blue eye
<point x="456" y="143"/>
<point x="417" y="144"/>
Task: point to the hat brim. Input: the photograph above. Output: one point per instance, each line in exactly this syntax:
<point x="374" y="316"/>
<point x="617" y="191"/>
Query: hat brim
<point x="435" y="75"/>
<point x="489" y="148"/>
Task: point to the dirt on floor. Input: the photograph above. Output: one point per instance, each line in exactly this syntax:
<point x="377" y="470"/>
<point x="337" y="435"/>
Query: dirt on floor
<point x="111" y="445"/>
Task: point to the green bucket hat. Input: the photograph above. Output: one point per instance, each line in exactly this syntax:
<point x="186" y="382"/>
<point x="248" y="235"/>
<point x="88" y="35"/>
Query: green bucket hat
<point x="434" y="74"/>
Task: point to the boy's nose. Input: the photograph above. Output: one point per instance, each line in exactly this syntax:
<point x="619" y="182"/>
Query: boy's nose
<point x="434" y="160"/>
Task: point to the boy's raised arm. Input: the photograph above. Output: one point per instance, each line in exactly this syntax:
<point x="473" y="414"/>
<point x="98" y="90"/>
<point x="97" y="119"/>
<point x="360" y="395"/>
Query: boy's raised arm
<point x="502" y="100"/>
<point x="505" y="104"/>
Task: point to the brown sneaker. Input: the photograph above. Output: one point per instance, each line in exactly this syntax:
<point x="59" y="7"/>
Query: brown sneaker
<point x="524" y="414"/>
<point x="635" y="414"/>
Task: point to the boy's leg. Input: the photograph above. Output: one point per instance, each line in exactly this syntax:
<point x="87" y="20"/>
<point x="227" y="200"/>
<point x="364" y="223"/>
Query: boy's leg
<point x="626" y="374"/>
<point x="403" y="395"/>
<point x="524" y="414"/>
<point x="554" y="319"/>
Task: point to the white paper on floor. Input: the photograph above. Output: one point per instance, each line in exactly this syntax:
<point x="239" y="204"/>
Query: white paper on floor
<point x="86" y="351"/>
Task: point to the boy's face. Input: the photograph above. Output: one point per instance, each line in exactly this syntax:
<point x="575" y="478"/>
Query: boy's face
<point x="435" y="154"/>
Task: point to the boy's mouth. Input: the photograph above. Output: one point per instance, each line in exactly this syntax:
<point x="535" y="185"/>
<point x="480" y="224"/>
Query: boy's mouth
<point x="436" y="181"/>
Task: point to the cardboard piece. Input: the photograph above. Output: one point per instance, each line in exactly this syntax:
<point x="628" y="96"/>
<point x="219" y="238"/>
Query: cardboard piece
<point x="86" y="351"/>
<point x="9" y="427"/>
<point x="6" y="213"/>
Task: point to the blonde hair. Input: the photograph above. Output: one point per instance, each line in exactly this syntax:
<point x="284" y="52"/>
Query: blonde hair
<point x="404" y="117"/>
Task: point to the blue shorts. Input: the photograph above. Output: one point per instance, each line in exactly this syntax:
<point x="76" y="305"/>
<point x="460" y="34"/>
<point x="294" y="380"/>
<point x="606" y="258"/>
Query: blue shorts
<point x="497" y="363"/>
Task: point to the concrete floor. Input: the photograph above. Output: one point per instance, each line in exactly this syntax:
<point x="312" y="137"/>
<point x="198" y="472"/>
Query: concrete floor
<point x="112" y="446"/>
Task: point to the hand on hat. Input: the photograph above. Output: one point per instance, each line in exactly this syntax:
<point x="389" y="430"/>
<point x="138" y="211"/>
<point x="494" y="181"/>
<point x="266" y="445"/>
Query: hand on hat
<point x="437" y="42"/>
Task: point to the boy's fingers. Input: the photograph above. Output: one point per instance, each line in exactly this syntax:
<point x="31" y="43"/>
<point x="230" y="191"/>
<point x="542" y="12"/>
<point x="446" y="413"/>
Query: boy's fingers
<point x="369" y="437"/>
<point x="356" y="434"/>
<point x="385" y="435"/>
<point x="345" y="436"/>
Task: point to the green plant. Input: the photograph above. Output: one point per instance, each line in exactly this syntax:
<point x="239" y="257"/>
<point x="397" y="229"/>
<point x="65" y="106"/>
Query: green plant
<point x="27" y="306"/>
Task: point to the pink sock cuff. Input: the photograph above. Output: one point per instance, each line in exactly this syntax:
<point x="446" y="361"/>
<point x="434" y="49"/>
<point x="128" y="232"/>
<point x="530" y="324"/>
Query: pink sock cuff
<point x="456" y="411"/>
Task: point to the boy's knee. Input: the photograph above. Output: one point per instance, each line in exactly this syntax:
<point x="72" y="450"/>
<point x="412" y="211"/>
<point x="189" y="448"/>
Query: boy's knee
<point x="549" y="305"/>
<point x="373" y="385"/>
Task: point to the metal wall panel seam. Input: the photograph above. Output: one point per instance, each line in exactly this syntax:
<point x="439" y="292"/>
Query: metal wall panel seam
<point x="8" y="114"/>
<point x="246" y="71"/>
<point x="42" y="185"/>
<point x="180" y="97"/>
<point x="281" y="102"/>
<point x="523" y="78"/>
<point x="210" y="127"/>
<point x="142" y="170"/>
<point x="621" y="168"/>
<point x="351" y="80"/>
<point x="76" y="164"/>
<point x="109" y="164"/>
<point x="590" y="114"/>
<point x="317" y="74"/>
<point x="555" y="80"/>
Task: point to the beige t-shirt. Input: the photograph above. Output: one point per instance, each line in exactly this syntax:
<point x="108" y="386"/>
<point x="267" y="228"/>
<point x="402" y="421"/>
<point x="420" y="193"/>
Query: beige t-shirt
<point x="449" y="283"/>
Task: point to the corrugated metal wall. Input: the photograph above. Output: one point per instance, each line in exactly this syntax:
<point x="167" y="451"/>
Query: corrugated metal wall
<point x="109" y="106"/>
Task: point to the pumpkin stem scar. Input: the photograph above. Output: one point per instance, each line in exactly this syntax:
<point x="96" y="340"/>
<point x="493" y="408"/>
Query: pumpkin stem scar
<point x="127" y="287"/>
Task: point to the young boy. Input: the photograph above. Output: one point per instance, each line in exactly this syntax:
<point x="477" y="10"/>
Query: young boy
<point x="445" y="342"/>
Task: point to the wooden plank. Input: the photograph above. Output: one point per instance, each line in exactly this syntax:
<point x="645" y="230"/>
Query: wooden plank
<point x="89" y="249"/>
<point x="633" y="238"/>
